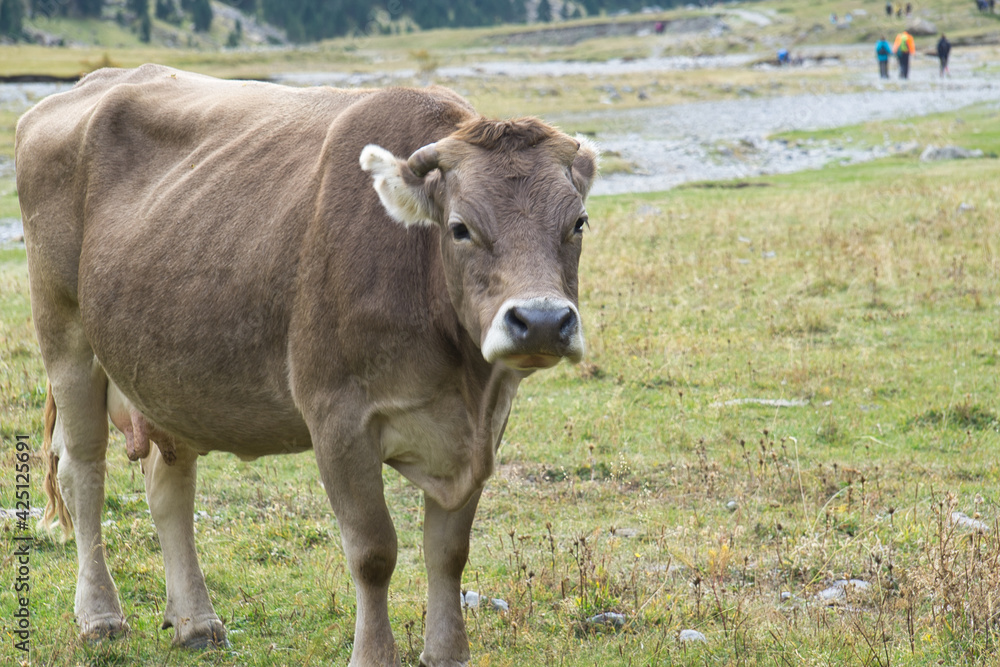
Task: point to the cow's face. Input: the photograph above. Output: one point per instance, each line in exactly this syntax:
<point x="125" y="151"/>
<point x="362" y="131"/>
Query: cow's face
<point x="508" y="198"/>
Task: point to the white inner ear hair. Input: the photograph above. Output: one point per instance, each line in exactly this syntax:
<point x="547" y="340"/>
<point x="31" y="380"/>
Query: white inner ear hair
<point x="404" y="203"/>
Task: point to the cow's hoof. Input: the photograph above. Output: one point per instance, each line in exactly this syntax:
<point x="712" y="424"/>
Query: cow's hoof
<point x="100" y="628"/>
<point x="209" y="633"/>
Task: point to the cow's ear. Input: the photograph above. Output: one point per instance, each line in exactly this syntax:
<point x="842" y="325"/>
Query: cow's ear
<point x="405" y="196"/>
<point x="585" y="165"/>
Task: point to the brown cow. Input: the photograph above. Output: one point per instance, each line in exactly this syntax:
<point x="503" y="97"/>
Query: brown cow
<point x="210" y="265"/>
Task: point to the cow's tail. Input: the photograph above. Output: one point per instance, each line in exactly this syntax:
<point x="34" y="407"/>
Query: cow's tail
<point x="56" y="513"/>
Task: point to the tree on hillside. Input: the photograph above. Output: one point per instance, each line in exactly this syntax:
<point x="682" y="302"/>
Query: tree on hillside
<point x="142" y="24"/>
<point x="431" y="14"/>
<point x="544" y="12"/>
<point x="519" y="11"/>
<point x="235" y="35"/>
<point x="90" y="8"/>
<point x="201" y="14"/>
<point x="84" y="8"/>
<point x="166" y="10"/>
<point x="11" y="18"/>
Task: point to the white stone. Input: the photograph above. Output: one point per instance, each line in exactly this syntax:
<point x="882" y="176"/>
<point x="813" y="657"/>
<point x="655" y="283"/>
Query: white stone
<point x="963" y="520"/>
<point x="692" y="636"/>
<point x="608" y="618"/>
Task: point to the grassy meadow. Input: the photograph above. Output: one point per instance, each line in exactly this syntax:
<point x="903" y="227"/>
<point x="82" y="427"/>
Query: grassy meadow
<point x="788" y="384"/>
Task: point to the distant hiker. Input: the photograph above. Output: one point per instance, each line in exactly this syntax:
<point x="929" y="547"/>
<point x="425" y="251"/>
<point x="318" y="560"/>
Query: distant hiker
<point x="909" y="8"/>
<point x="882" y="51"/>
<point x="903" y="47"/>
<point x="660" y="27"/>
<point x="783" y="58"/>
<point x="943" y="49"/>
<point x="888" y="9"/>
<point x="833" y="18"/>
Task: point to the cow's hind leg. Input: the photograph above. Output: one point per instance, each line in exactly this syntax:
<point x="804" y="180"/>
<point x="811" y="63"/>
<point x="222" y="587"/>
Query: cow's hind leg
<point x="170" y="492"/>
<point x="446" y="550"/>
<point x="80" y="440"/>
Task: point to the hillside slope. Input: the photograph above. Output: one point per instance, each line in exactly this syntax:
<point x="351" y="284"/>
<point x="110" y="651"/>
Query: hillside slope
<point x="120" y="28"/>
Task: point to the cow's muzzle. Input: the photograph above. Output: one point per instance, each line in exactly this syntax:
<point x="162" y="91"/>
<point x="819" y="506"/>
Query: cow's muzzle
<point x="532" y="334"/>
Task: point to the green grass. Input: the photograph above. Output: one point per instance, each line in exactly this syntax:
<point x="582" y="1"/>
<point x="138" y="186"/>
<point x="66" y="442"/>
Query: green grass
<point x="9" y="208"/>
<point x="973" y="127"/>
<point x="863" y="291"/>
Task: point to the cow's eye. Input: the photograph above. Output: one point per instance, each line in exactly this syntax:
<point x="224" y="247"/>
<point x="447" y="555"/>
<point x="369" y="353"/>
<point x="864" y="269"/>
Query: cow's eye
<point x="580" y="224"/>
<point x="459" y="232"/>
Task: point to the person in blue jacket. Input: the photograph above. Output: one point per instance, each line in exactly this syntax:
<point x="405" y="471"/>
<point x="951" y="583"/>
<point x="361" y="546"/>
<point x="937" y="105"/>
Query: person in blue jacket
<point x="882" y="52"/>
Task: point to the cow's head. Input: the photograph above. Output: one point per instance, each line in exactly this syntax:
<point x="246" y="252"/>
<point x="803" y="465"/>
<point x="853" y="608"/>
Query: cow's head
<point x="508" y="198"/>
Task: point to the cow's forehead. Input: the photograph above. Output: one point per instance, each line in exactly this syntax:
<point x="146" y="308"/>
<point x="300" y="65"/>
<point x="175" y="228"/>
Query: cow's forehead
<point x="545" y="191"/>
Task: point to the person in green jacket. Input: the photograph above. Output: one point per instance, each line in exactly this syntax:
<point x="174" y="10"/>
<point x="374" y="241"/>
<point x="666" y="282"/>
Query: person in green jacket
<point x="904" y="48"/>
<point x="882" y="51"/>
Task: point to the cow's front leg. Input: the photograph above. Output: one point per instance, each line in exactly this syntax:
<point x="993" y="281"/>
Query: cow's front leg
<point x="446" y="550"/>
<point x="352" y="475"/>
<point x="170" y="493"/>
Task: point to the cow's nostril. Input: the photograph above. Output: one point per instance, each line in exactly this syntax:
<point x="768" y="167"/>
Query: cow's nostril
<point x="567" y="324"/>
<point x="517" y="324"/>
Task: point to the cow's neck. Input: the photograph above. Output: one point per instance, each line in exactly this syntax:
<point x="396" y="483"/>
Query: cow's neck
<point x="445" y="442"/>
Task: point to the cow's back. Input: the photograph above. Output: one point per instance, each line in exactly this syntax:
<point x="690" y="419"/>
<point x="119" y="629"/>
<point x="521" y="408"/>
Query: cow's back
<point x="174" y="209"/>
<point x="104" y="159"/>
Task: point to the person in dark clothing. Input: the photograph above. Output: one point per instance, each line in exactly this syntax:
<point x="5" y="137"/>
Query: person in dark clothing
<point x="888" y="9"/>
<point x="943" y="50"/>
<point x="904" y="47"/>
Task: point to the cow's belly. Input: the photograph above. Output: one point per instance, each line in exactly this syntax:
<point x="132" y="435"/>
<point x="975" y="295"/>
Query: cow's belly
<point x="201" y="356"/>
<point x="210" y="417"/>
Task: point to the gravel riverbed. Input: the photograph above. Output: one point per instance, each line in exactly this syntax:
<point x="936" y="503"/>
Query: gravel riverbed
<point x="729" y="139"/>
